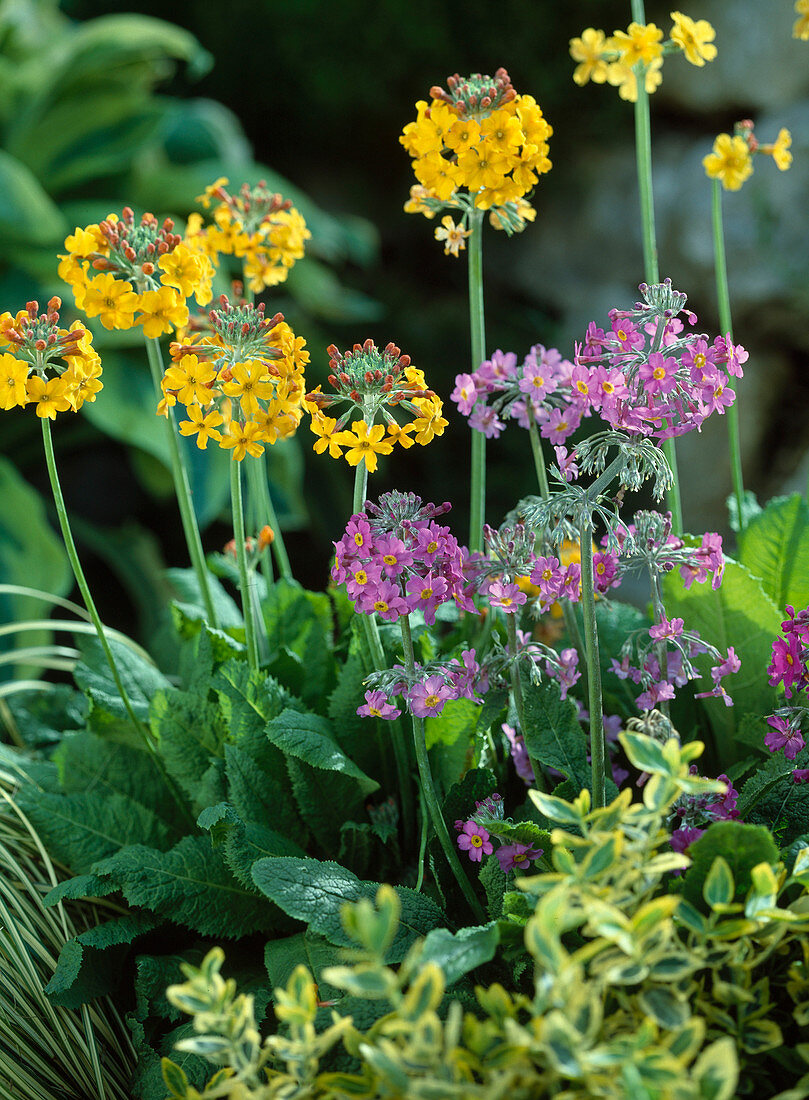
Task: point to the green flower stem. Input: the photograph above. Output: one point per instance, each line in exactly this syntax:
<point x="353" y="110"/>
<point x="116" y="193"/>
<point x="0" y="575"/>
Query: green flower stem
<point x="568" y="613"/>
<point x="726" y="326"/>
<point x="651" y="271"/>
<point x="539" y="460"/>
<point x="360" y="486"/>
<point x="661" y="648"/>
<point x="428" y="788"/>
<point x="598" y="747"/>
<point x="182" y="487"/>
<point x="477" y="509"/>
<point x="81" y="581"/>
<point x="264" y="512"/>
<point x="246" y="589"/>
<point x="73" y="556"/>
<point x="517" y="696"/>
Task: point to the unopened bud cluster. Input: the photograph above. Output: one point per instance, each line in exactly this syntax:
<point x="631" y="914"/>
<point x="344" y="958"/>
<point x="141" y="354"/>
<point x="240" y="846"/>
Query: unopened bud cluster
<point x="129" y="273"/>
<point x="256" y="225"/>
<point x="372" y="383"/>
<point x="55" y="368"/>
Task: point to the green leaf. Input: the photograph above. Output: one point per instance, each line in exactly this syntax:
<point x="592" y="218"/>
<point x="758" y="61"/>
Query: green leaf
<point x="90" y="763"/>
<point x="738" y="614"/>
<point x="553" y="735"/>
<point x="775" y="548"/>
<point x="309" y="738"/>
<point x="716" y="1071"/>
<point x="719" y="888"/>
<point x="325" y="800"/>
<point x="457" y="953"/>
<point x="741" y="847"/>
<point x="282" y="956"/>
<point x="191" y="885"/>
<point x="80" y="829"/>
<point x="315" y="891"/>
<point x="27" y="214"/>
<point x="191" y="735"/>
<point x="31" y="555"/>
<point x="457" y="721"/>
<point x="86" y="968"/>
<point x="140" y="678"/>
<point x="245" y="843"/>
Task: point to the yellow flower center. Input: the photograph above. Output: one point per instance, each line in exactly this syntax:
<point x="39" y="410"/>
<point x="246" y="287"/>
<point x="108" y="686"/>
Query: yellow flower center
<point x="358" y="539"/>
<point x="426" y="593"/>
<point x="699" y="360"/>
<point x="659" y="373"/>
<point x="621" y="334"/>
<point x="601" y="568"/>
<point x="431" y="701"/>
<point x="432" y="547"/>
<point x="476" y="840"/>
<point x="361" y="577"/>
<point x="389" y="559"/>
<point x="380" y="605"/>
<point x="582" y="387"/>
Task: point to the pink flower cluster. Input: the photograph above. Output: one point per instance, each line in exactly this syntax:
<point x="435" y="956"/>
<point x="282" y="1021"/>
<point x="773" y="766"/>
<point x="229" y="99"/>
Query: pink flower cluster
<point x="641" y="375"/>
<point x="476" y="841"/>
<point x="648" y="672"/>
<point x="788" y="668"/>
<point x="419" y="566"/>
<point x="556" y="581"/>
<point x="428" y="689"/>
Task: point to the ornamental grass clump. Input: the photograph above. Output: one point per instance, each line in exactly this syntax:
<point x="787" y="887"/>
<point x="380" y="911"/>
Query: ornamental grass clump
<point x="48" y="1048"/>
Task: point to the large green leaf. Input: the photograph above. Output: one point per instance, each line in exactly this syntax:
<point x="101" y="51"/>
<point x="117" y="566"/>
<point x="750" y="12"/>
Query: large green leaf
<point x="315" y="892"/>
<point x="738" y="614"/>
<point x="79" y="829"/>
<point x="309" y="737"/>
<point x="27" y="215"/>
<point x="775" y="548"/>
<point x="553" y="735"/>
<point x="459" y="952"/>
<point x="189" y="884"/>
<point x="31" y="556"/>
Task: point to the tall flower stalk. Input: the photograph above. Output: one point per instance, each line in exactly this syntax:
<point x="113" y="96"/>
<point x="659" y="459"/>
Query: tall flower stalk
<point x="182" y="487"/>
<point x="247" y="590"/>
<point x="728" y="165"/>
<point x="428" y="787"/>
<point x="478" y="146"/>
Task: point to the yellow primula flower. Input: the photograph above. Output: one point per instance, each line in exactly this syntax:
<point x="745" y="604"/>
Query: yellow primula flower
<point x="454" y="236"/>
<point x="242" y="439"/>
<point x="695" y="39"/>
<point x="81" y="386"/>
<point x="730" y="162"/>
<point x="430" y="423"/>
<point x="463" y="134"/>
<point x="438" y="175"/>
<point x="202" y="424"/>
<point x="589" y="51"/>
<point x="416" y="204"/>
<point x="50" y="395"/>
<point x="13" y="377"/>
<point x="182" y="269"/>
<point x="364" y="443"/>
<point x="400" y="433"/>
<point x="801" y="27"/>
<point x="640" y="42"/>
<point x="779" y="150"/>
<point x="324" y="428"/>
<point x="622" y="77"/>
<point x="251" y="383"/>
<point x="482" y="167"/>
<point x="162" y="311"/>
<point x="190" y="380"/>
<point x="502" y="132"/>
<point x="112" y="300"/>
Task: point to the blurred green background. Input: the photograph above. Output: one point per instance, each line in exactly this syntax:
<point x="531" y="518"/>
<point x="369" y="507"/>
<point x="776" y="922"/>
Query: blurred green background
<point x="99" y="110"/>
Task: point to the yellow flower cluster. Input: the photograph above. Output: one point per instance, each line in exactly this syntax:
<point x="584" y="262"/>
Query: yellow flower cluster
<point x="53" y="367"/>
<point x="128" y="274"/>
<point x="613" y="59"/>
<point x="801" y="27"/>
<point x="372" y="382"/>
<point x="480" y="136"/>
<point x="259" y="227"/>
<point x="731" y="160"/>
<point x="241" y="381"/>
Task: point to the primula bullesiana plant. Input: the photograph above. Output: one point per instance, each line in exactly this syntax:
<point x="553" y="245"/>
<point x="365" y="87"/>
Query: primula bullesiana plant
<point x="618" y="948"/>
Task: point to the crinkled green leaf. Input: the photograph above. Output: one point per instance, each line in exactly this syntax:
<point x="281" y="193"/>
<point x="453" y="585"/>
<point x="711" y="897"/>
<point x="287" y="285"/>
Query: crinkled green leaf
<point x="553" y="734"/>
<point x="314" y="891"/>
<point x="457" y="953"/>
<point x="309" y="738"/>
<point x="189" y="884"/>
